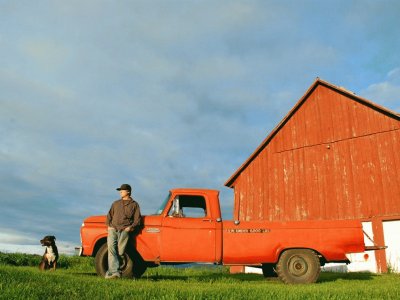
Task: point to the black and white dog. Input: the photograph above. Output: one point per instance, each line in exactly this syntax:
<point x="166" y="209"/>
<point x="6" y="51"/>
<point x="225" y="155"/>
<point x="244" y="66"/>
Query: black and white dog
<point x="50" y="256"/>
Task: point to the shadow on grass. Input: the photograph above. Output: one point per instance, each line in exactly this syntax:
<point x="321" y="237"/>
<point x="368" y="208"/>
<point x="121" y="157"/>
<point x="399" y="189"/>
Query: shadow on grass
<point x="324" y="277"/>
<point x="207" y="277"/>
<point x="227" y="277"/>
<point x="84" y="274"/>
<point x="332" y="276"/>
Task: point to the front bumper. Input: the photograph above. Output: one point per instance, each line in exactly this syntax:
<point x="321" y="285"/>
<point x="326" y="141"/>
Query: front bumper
<point x="79" y="251"/>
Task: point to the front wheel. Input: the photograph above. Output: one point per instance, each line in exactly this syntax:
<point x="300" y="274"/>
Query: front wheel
<point x="298" y="266"/>
<point x="132" y="264"/>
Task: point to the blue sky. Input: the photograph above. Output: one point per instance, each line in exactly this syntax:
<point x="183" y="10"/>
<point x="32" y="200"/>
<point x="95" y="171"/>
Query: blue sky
<point x="162" y="94"/>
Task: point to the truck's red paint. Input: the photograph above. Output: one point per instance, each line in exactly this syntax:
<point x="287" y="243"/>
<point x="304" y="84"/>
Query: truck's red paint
<point x="207" y="239"/>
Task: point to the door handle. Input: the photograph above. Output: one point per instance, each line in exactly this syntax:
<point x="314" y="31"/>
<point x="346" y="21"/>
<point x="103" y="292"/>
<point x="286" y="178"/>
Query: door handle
<point x="207" y="220"/>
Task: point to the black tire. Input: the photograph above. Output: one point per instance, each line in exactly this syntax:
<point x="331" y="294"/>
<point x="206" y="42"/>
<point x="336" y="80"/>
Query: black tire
<point x="298" y="266"/>
<point x="132" y="264"/>
<point x="269" y="270"/>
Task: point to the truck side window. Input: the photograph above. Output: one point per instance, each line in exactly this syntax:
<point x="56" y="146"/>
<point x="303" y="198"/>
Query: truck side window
<point x="188" y="207"/>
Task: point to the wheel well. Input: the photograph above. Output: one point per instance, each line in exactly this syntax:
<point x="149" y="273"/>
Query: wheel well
<point x="322" y="259"/>
<point x="103" y="240"/>
<point x="98" y="244"/>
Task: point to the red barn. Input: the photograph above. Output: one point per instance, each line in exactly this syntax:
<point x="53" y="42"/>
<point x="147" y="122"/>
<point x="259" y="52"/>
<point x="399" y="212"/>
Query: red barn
<point x="334" y="156"/>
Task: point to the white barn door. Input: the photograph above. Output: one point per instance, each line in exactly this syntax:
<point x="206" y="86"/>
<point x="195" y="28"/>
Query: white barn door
<point x="391" y="231"/>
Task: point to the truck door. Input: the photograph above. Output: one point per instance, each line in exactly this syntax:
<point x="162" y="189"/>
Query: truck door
<point x="188" y="232"/>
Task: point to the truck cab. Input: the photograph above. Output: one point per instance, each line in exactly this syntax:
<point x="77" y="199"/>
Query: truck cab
<point x="191" y="222"/>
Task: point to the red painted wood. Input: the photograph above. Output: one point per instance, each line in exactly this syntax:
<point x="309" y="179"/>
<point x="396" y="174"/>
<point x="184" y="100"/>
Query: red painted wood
<point x="334" y="156"/>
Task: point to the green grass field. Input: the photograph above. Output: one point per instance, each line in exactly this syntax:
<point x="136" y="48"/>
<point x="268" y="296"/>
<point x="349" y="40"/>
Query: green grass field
<point x="76" y="279"/>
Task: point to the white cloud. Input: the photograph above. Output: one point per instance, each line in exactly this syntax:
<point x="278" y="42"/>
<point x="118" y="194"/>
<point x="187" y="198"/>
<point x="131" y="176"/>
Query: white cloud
<point x="394" y="76"/>
<point x="14" y="237"/>
<point x="386" y="93"/>
<point x="23" y="242"/>
<point x="158" y="94"/>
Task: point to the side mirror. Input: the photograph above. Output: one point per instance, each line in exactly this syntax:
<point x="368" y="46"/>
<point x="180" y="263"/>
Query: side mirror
<point x="175" y="207"/>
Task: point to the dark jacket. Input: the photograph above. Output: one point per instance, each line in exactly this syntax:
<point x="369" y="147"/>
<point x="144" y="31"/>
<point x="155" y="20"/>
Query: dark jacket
<point x="124" y="213"/>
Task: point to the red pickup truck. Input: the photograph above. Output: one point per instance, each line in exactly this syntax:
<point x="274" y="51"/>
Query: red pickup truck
<point x="188" y="228"/>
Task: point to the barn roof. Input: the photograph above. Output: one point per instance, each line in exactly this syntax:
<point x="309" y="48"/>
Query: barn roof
<point x="318" y="81"/>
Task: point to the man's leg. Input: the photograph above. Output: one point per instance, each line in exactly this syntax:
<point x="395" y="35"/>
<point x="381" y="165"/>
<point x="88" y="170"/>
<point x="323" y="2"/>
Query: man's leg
<point x="112" y="242"/>
<point x="122" y="242"/>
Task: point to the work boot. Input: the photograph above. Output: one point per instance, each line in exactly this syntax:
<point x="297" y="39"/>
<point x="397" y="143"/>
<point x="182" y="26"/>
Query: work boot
<point x="112" y="276"/>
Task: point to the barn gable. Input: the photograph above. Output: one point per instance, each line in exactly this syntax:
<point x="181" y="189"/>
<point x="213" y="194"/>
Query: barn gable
<point x="333" y="156"/>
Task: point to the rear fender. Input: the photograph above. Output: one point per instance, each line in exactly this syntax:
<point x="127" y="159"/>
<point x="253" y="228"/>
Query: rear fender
<point x="322" y="259"/>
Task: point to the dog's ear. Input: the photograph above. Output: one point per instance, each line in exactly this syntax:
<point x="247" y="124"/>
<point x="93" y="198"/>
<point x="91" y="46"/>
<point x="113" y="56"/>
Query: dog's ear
<point x="53" y="237"/>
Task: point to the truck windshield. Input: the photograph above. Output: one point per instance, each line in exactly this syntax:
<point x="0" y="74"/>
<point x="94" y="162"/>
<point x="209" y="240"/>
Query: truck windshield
<point x="160" y="210"/>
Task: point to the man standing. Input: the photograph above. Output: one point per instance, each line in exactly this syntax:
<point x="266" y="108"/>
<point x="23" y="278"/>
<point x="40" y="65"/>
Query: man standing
<point x="123" y="218"/>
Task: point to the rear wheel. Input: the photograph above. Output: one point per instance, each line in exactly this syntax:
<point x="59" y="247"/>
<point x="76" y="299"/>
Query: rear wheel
<point x="298" y="266"/>
<point x="132" y="264"/>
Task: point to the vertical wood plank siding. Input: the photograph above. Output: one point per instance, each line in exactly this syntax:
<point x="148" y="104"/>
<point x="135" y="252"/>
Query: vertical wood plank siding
<point x="334" y="158"/>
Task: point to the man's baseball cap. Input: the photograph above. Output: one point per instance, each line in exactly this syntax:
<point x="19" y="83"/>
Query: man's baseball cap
<point x="125" y="187"/>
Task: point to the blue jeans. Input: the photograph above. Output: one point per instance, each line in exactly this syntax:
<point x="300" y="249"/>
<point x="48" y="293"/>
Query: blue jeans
<point x="116" y="243"/>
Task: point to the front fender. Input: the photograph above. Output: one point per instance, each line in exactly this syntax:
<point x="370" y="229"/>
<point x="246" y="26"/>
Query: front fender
<point x="145" y="251"/>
